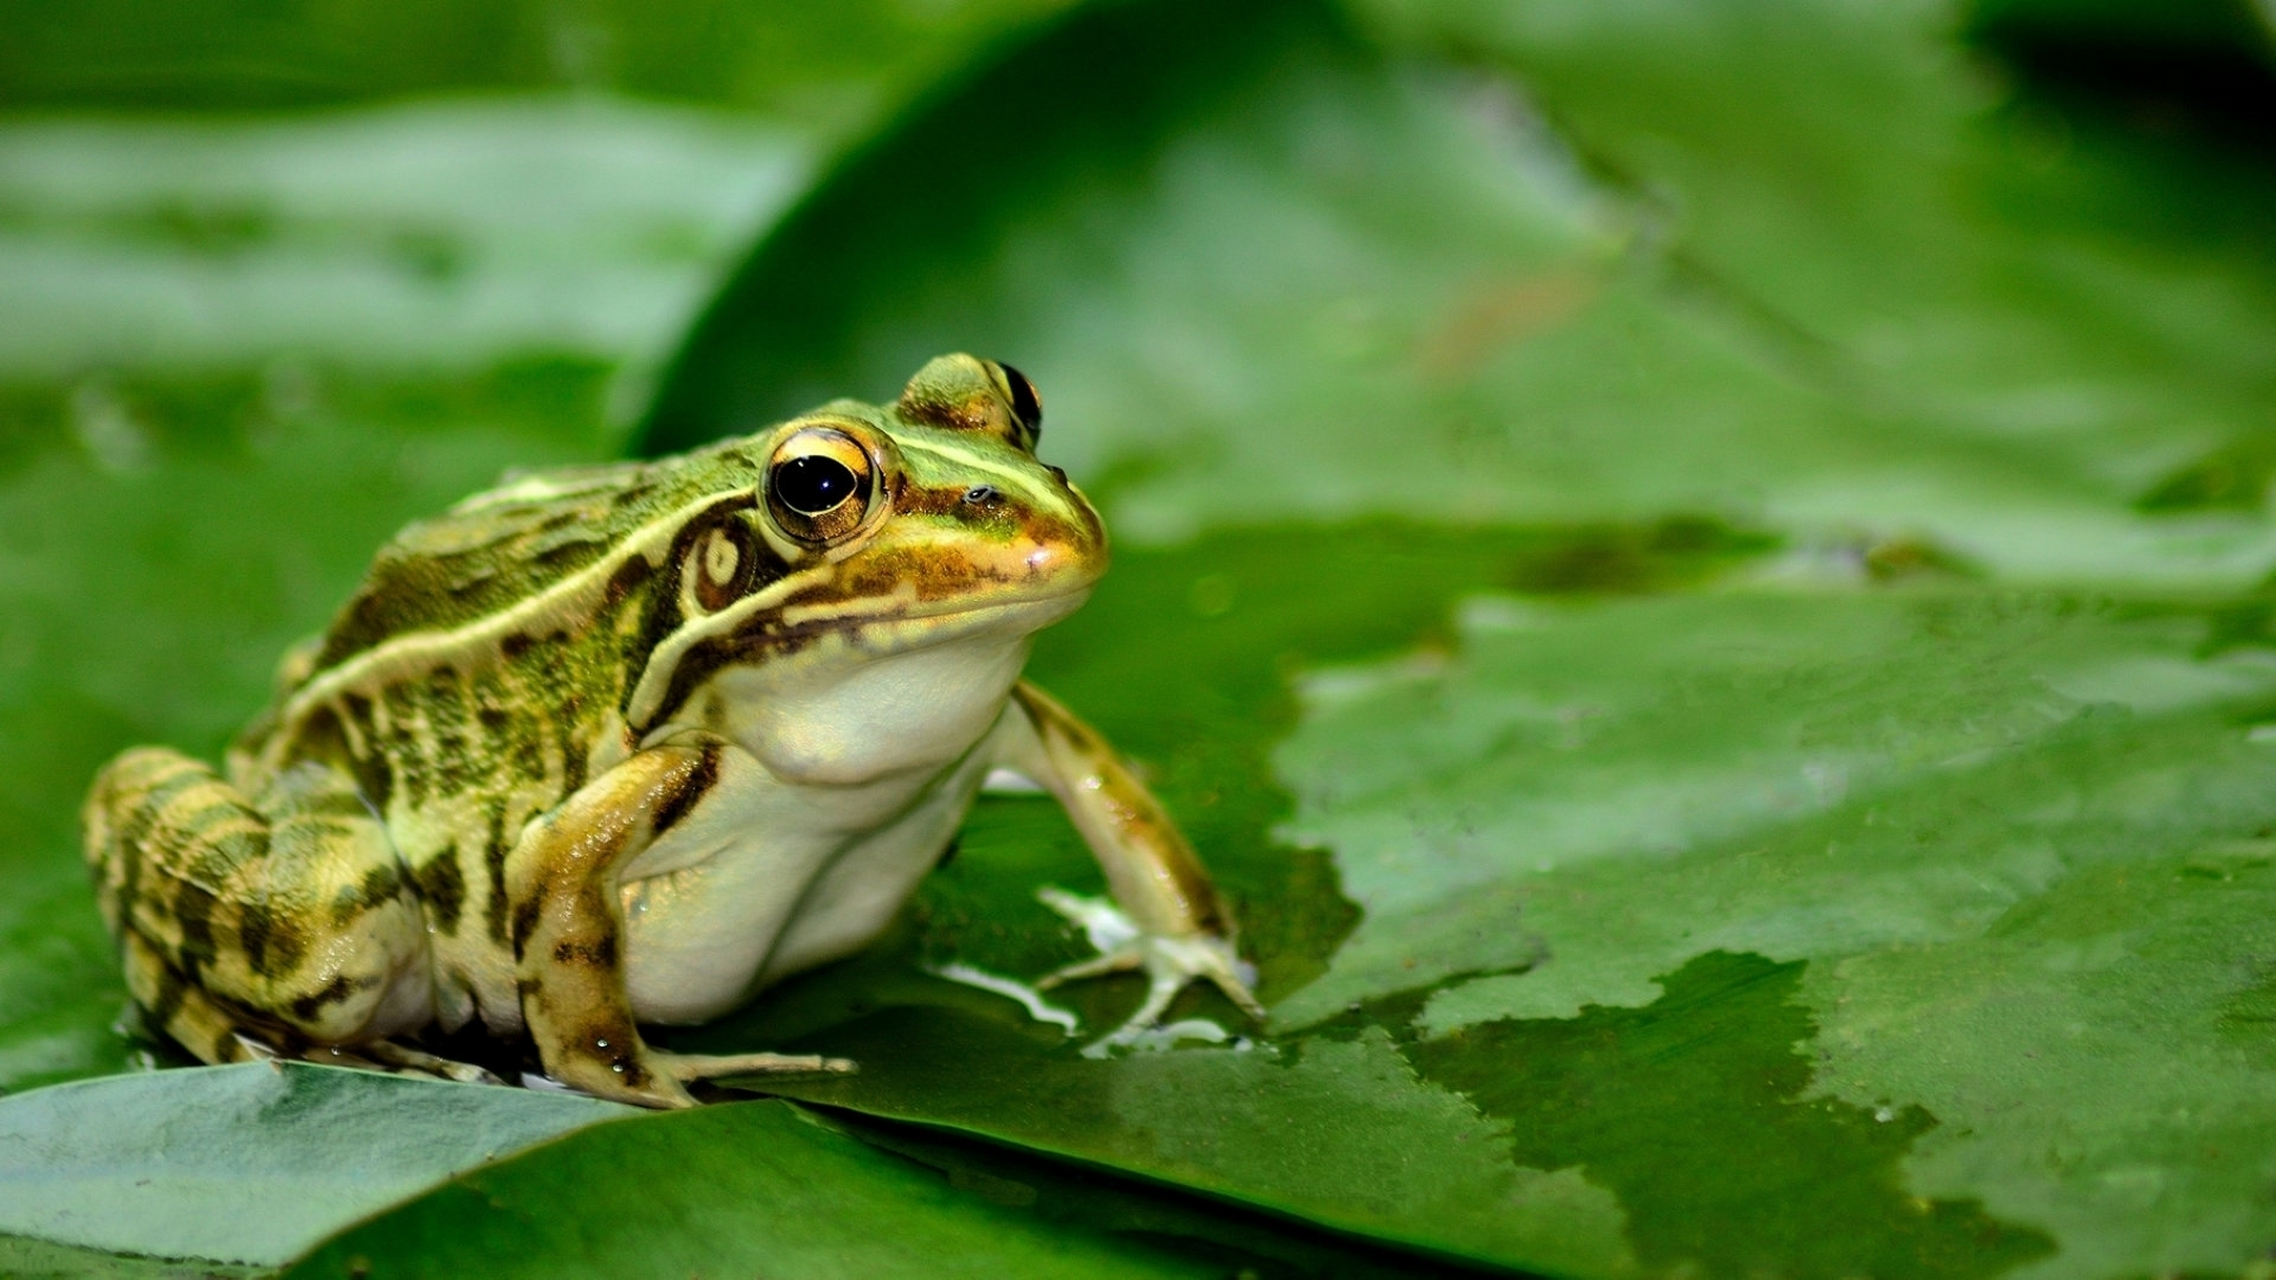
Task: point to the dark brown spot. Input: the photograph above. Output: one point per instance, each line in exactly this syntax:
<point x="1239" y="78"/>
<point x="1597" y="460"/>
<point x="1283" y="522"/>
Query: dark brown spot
<point x="172" y="989"/>
<point x="131" y="861"/>
<point x="218" y="858"/>
<point x="324" y="736"/>
<point x="525" y="921"/>
<point x="597" y="953"/>
<point x="572" y="756"/>
<point x="627" y="580"/>
<point x="135" y="831"/>
<point x="333" y="992"/>
<point x="559" y="561"/>
<point x="378" y="886"/>
<point x="193" y="914"/>
<point x="691" y="790"/>
<point x="274" y="944"/>
<point x="447" y="716"/>
<point x="442" y="886"/>
<point x="254" y="925"/>
<point x="494" y="861"/>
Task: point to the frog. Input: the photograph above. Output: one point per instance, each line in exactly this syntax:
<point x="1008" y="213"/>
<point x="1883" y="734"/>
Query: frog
<point x="622" y="746"/>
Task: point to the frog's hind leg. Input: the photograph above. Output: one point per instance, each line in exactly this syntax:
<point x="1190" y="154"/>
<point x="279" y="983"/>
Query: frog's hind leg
<point x="286" y="921"/>
<point x="180" y="1011"/>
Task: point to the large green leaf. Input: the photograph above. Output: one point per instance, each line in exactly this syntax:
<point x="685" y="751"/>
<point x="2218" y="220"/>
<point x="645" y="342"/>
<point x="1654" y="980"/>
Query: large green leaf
<point x="2062" y="808"/>
<point x="757" y="1188"/>
<point x="2080" y="305"/>
<point x="245" y="1164"/>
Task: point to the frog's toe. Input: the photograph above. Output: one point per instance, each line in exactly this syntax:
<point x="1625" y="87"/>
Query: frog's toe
<point x="1234" y="978"/>
<point x="688" y="1068"/>
<point x="1121" y="961"/>
<point x="1171" y="962"/>
<point x="405" y="1060"/>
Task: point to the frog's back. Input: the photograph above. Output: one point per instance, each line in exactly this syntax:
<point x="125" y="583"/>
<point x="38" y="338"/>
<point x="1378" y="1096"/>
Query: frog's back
<point x="509" y="544"/>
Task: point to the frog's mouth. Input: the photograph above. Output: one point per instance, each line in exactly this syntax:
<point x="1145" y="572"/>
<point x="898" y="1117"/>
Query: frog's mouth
<point x="877" y="629"/>
<point x="900" y="624"/>
<point x="904" y="593"/>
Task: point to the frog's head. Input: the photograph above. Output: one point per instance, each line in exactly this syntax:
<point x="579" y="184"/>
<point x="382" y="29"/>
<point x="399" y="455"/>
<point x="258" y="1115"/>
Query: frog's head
<point x="932" y="507"/>
<point x="871" y="532"/>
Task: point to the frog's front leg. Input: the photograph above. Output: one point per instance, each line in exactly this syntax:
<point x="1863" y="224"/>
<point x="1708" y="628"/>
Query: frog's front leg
<point x="1171" y="923"/>
<point x="568" y="929"/>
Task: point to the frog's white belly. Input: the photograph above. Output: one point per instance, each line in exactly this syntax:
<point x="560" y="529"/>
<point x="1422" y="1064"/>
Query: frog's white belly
<point x="768" y="877"/>
<point x="852" y="770"/>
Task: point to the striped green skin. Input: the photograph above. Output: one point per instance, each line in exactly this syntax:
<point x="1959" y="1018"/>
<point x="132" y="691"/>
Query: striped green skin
<point x="495" y="660"/>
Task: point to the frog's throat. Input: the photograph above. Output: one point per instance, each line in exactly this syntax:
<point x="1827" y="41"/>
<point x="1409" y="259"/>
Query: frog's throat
<point x="897" y="623"/>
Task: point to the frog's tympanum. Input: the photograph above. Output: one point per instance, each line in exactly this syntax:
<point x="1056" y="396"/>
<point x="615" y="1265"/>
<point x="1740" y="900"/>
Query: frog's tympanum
<point x="626" y="744"/>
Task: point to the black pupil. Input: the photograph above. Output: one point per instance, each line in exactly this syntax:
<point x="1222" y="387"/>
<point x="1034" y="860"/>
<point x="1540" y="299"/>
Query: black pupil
<point x="811" y="486"/>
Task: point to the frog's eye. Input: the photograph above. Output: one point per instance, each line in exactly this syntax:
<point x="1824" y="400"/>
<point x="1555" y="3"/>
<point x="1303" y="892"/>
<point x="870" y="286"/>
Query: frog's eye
<point x="965" y="393"/>
<point x="722" y="565"/>
<point x="1027" y="407"/>
<point x="820" y="485"/>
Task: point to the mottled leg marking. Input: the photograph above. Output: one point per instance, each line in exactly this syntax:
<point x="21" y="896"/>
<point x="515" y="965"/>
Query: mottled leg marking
<point x="1170" y="922"/>
<point x="568" y="931"/>
<point x="180" y="1010"/>
<point x="281" y="918"/>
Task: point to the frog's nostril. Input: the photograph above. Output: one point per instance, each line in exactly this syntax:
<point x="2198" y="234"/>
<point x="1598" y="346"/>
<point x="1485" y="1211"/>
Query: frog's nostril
<point x="1057" y="475"/>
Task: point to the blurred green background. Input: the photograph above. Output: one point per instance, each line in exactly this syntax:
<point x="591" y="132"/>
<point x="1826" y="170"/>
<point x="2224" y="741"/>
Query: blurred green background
<point x="1700" y="571"/>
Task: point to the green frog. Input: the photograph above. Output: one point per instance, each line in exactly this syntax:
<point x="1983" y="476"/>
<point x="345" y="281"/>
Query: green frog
<point x="623" y="745"/>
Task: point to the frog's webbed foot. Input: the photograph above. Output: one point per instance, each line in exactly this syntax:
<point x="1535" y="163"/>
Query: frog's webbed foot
<point x="1171" y="962"/>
